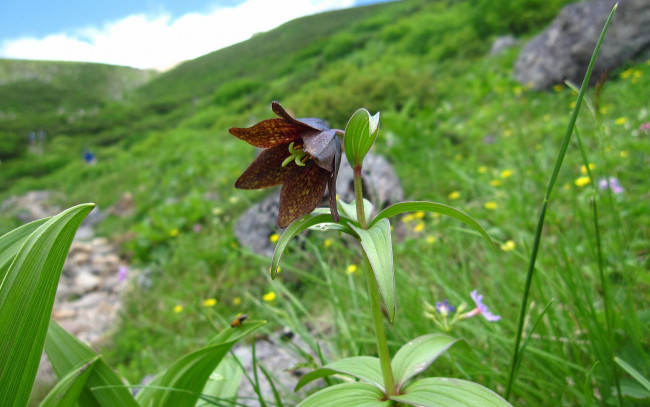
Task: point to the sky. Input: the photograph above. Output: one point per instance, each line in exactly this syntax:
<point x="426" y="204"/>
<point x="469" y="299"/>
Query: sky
<point x="144" y="34"/>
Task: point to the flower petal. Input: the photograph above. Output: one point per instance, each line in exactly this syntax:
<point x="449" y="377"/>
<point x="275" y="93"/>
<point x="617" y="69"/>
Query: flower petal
<point x="266" y="170"/>
<point x="323" y="146"/>
<point x="314" y="123"/>
<point x="302" y="192"/>
<point x="270" y="133"/>
<point x="331" y="183"/>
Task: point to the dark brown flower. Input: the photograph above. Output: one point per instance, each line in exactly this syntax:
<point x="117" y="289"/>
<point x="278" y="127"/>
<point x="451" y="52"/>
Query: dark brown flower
<point x="301" y="154"/>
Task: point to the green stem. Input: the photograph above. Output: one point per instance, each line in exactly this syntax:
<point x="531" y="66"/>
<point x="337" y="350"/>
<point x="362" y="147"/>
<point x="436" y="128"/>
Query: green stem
<point x="373" y="293"/>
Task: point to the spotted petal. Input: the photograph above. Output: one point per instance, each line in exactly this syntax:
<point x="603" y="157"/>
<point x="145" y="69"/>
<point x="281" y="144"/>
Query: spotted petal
<point x="266" y="170"/>
<point x="302" y="192"/>
<point x="314" y="123"/>
<point x="270" y="133"/>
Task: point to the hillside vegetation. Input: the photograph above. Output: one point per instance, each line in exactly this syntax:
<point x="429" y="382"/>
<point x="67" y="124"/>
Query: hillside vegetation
<point x="458" y="130"/>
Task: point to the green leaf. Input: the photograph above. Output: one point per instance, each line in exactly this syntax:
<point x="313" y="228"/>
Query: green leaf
<point x="350" y="210"/>
<point x="26" y="299"/>
<point x="67" y="390"/>
<point x="11" y="242"/>
<point x="417" y="355"/>
<point x="360" y="134"/>
<point x="365" y="368"/>
<point x="376" y="243"/>
<point x="643" y="381"/>
<point x="413" y="206"/>
<point x="296" y="227"/>
<point x="103" y="387"/>
<point x="347" y="395"/>
<point x="223" y="383"/>
<point x="443" y="392"/>
<point x="181" y="384"/>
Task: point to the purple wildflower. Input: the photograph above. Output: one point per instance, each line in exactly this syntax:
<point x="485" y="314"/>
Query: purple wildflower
<point x="122" y="271"/>
<point x="444" y="308"/>
<point x="645" y="127"/>
<point x="481" y="308"/>
<point x="197" y="227"/>
<point x="611" y="183"/>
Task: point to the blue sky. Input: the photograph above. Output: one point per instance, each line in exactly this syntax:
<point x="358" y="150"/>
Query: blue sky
<point x="141" y="33"/>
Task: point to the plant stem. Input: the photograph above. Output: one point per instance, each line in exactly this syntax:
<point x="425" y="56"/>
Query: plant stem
<point x="373" y="293"/>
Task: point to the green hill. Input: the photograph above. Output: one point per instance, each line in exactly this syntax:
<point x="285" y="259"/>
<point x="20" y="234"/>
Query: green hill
<point x="458" y="130"/>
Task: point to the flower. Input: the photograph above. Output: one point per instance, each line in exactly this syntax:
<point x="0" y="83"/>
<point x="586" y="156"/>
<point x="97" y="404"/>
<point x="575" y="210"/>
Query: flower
<point x="645" y="127"/>
<point x="508" y="246"/>
<point x="621" y="120"/>
<point x="506" y="173"/>
<point x="454" y="195"/>
<point x="611" y="183"/>
<point x="582" y="181"/>
<point x="583" y="168"/>
<point x="268" y="297"/>
<point x="274" y="238"/>
<point x="495" y="183"/>
<point x="301" y="154"/>
<point x="173" y="232"/>
<point x="419" y="227"/>
<point x="197" y="227"/>
<point x="210" y="302"/>
<point x="351" y="269"/>
<point x="122" y="272"/>
<point x="491" y="205"/>
<point x="327" y="243"/>
<point x="178" y="308"/>
<point x="444" y="308"/>
<point x="431" y="239"/>
<point x="236" y="301"/>
<point x="481" y="308"/>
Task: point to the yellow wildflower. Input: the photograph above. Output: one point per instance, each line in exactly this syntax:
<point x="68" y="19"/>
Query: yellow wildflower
<point x="454" y="195"/>
<point x="268" y="297"/>
<point x="583" y="168"/>
<point x="623" y="154"/>
<point x="419" y="214"/>
<point x="506" y="173"/>
<point x="351" y="269"/>
<point x="621" y="121"/>
<point x="178" y="308"/>
<point x="274" y="238"/>
<point x="627" y="73"/>
<point x="558" y="87"/>
<point x="572" y="105"/>
<point x="495" y="183"/>
<point x="482" y="169"/>
<point x="210" y="302"/>
<point x="408" y="218"/>
<point x="236" y="301"/>
<point x="490" y="205"/>
<point x="431" y="239"/>
<point x="173" y="232"/>
<point x="582" y="181"/>
<point x="419" y="227"/>
<point x="507" y="246"/>
<point x="327" y="243"/>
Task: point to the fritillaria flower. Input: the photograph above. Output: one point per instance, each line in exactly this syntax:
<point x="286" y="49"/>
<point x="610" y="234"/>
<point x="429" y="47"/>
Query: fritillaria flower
<point x="481" y="308"/>
<point x="301" y="154"/>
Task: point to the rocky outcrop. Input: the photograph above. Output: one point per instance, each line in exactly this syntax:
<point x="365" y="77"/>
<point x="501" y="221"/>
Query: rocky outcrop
<point x="562" y="52"/>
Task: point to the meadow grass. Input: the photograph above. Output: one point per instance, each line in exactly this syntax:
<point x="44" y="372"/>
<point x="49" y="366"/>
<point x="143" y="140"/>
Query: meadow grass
<point x="459" y="131"/>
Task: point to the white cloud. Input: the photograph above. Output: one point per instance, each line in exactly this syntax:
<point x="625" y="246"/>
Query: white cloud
<point x="146" y="41"/>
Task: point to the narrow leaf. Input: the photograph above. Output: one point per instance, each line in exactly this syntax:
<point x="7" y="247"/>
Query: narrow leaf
<point x="413" y="206"/>
<point x="376" y="243"/>
<point x="67" y="390"/>
<point x="103" y="387"/>
<point x="365" y="368"/>
<point x="443" y="392"/>
<point x="347" y="395"/>
<point x="11" y="242"/>
<point x="417" y="355"/>
<point x="26" y="299"/>
<point x="293" y="229"/>
<point x="181" y="384"/>
<point x="643" y="381"/>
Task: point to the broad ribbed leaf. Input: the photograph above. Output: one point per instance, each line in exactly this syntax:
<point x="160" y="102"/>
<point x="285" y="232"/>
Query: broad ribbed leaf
<point x="443" y="392"/>
<point x="413" y="206"/>
<point x="376" y="243"/>
<point x="417" y="355"/>
<point x="360" y="134"/>
<point x="223" y="383"/>
<point x="181" y="384"/>
<point x="26" y="299"/>
<point x="347" y="395"/>
<point x="104" y="387"/>
<point x="67" y="391"/>
<point x="293" y="229"/>
<point x="365" y="368"/>
<point x="11" y="242"/>
<point x="350" y="210"/>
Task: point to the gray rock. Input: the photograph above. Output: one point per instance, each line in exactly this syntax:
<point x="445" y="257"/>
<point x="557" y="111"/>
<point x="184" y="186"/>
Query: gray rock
<point x="562" y="52"/>
<point x="502" y="43"/>
<point x="380" y="184"/>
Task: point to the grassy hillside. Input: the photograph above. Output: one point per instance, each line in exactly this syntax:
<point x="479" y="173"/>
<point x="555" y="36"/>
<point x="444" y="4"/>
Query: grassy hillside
<point x="458" y="129"/>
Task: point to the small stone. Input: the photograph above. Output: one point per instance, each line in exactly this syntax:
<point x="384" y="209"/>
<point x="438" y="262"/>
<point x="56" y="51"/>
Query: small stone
<point x="86" y="281"/>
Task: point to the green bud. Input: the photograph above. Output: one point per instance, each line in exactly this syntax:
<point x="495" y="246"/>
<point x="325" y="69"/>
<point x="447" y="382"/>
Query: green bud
<point x="360" y="134"/>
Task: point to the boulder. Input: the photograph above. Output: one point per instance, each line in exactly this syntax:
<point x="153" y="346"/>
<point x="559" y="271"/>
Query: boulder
<point x="562" y="51"/>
